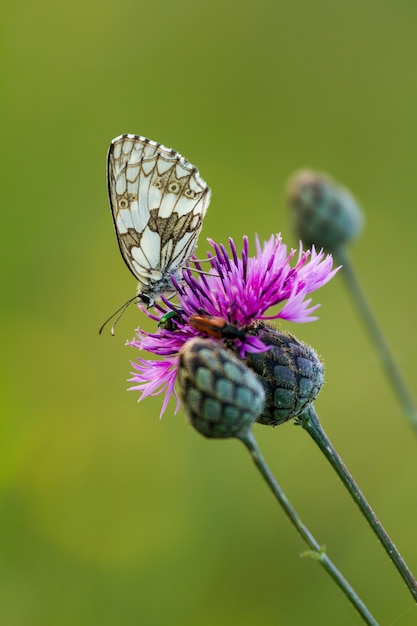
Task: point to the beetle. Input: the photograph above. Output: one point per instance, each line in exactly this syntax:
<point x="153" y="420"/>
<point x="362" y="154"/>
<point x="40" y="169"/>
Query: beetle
<point x="167" y="321"/>
<point x="216" y="327"/>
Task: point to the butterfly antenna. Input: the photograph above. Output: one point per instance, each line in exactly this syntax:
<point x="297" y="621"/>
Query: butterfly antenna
<point x="117" y="314"/>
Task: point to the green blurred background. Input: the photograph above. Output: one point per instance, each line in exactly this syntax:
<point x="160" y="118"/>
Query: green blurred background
<point x="109" y="515"/>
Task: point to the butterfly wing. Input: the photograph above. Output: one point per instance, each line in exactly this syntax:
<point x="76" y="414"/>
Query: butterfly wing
<point x="158" y="202"/>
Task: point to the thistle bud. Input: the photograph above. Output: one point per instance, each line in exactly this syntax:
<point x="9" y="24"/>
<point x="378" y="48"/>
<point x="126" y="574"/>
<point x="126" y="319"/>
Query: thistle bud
<point x="291" y="373"/>
<point x="221" y="395"/>
<point x="325" y="214"/>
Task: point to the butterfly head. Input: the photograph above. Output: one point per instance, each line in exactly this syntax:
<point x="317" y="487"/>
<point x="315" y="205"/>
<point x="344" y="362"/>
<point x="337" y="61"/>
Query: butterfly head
<point x="146" y="299"/>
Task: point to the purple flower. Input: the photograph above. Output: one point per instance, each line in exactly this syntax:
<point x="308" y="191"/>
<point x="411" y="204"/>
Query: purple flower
<point x="238" y="289"/>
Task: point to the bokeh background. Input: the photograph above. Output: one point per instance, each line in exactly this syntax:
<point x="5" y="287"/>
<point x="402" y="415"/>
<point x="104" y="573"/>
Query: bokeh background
<point x="109" y="515"/>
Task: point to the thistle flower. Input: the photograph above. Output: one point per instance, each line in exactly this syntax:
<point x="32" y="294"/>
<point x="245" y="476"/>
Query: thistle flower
<point x="239" y="289"/>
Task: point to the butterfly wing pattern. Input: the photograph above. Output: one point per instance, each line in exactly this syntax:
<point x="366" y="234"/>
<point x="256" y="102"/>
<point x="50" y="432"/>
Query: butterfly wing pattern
<point x="158" y="201"/>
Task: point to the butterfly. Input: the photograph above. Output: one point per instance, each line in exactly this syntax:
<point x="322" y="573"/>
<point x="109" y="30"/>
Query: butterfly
<point x="158" y="201"/>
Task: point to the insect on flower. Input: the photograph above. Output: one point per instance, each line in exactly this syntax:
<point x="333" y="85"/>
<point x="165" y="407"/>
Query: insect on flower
<point x="158" y="201"/>
<point x="167" y="321"/>
<point x="216" y="327"/>
<point x="234" y="300"/>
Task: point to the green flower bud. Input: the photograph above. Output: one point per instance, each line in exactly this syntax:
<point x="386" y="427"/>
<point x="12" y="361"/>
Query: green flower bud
<point x="291" y="373"/>
<point x="221" y="395"/>
<point x="324" y="213"/>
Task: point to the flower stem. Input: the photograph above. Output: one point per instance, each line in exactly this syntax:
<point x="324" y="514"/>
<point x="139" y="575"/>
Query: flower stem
<point x="317" y="551"/>
<point x="311" y="423"/>
<point x="391" y="369"/>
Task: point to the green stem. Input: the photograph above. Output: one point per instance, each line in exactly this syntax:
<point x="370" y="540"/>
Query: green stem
<point x="318" y="551"/>
<point x="391" y="369"/>
<point x="311" y="423"/>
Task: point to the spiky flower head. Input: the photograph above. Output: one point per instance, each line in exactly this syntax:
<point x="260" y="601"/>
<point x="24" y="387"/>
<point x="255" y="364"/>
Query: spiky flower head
<point x="324" y="213"/>
<point x="240" y="290"/>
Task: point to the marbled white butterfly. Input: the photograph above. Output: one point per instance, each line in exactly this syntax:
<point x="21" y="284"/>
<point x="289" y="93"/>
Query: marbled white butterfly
<point x="158" y="201"/>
